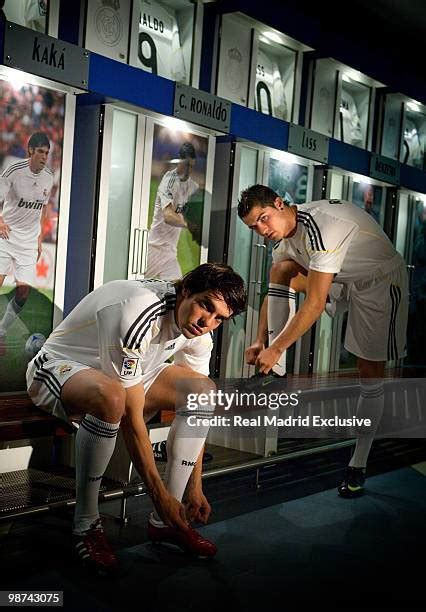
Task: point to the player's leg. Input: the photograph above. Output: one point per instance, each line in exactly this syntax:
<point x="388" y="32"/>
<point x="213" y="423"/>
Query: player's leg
<point x="15" y="306"/>
<point x="24" y="272"/>
<point x="5" y="269"/>
<point x="99" y="402"/>
<point x="184" y="443"/>
<point x="374" y="320"/>
<point x="184" y="446"/>
<point x="286" y="279"/>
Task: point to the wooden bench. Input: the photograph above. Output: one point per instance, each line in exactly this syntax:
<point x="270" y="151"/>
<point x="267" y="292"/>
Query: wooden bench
<point x="20" y="419"/>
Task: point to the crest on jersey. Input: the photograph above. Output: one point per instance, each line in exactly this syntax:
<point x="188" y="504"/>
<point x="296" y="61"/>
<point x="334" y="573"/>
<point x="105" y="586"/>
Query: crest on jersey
<point x="129" y="366"/>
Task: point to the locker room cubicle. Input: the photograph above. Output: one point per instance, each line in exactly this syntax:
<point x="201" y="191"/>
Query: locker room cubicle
<point x="126" y="134"/>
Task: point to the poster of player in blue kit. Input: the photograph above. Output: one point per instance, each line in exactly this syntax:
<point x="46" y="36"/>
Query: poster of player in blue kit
<point x="176" y="203"/>
<point x="369" y="197"/>
<point x="288" y="180"/>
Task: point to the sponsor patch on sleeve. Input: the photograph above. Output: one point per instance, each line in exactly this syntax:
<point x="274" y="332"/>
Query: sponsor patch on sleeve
<point x="129" y="366"/>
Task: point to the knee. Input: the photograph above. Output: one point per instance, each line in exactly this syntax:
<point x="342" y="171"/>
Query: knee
<point x="108" y="401"/>
<point x="283" y="271"/>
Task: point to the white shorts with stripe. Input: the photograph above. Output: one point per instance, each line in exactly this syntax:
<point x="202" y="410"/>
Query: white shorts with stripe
<point x="46" y="376"/>
<point x="378" y="314"/>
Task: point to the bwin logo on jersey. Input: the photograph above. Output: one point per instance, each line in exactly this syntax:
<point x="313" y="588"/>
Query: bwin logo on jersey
<point x="35" y="204"/>
<point x="188" y="463"/>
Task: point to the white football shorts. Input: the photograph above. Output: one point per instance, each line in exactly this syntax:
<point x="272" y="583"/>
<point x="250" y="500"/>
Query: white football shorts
<point x="46" y="376"/>
<point x="18" y="262"/>
<point x="378" y="315"/>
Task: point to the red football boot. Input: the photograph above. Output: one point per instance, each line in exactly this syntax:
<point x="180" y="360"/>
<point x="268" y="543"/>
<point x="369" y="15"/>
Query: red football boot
<point x="189" y="541"/>
<point x="93" y="550"/>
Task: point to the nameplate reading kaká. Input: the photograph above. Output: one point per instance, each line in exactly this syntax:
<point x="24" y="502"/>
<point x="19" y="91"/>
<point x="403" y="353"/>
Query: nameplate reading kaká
<point x="45" y="56"/>
<point x="202" y="108"/>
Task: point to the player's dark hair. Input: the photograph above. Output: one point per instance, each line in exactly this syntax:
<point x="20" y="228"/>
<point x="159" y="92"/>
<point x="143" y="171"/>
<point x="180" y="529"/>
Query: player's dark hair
<point x="39" y="139"/>
<point x="187" y="150"/>
<point x="256" y="195"/>
<point x="220" y="280"/>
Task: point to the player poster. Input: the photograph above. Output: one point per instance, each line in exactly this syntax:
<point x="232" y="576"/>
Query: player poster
<point x="288" y="180"/>
<point x="32" y="126"/>
<point x="369" y="197"/>
<point x="176" y="203"/>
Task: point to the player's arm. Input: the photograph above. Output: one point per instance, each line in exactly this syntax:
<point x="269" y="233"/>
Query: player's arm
<point x="196" y="504"/>
<point x="5" y="184"/>
<point x="318" y="286"/>
<point x="43" y="218"/>
<point x="136" y="436"/>
<point x="171" y="217"/>
<point x="262" y="334"/>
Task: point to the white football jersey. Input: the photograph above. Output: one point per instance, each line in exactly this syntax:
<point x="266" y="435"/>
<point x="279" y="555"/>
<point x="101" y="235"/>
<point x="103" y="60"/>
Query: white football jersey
<point x="171" y="190"/>
<point x="351" y="130"/>
<point x="413" y="149"/>
<point x="35" y="14"/>
<point x="24" y="194"/>
<point x="269" y="95"/>
<point x="159" y="49"/>
<point x="125" y="329"/>
<point x="338" y="237"/>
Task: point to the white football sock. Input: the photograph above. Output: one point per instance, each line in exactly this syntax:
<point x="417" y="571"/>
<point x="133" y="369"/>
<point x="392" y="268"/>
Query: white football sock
<point x="370" y="406"/>
<point x="11" y="313"/>
<point x="94" y="445"/>
<point x="281" y="309"/>
<point x="184" y="445"/>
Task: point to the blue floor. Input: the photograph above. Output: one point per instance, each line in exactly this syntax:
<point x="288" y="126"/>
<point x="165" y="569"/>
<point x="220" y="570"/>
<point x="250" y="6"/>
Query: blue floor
<point x="318" y="550"/>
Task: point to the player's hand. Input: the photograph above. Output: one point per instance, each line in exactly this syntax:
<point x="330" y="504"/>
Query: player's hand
<point x="194" y="230"/>
<point x="253" y="351"/>
<point x="196" y="505"/>
<point x="267" y="359"/>
<point x="4" y="230"/>
<point x="171" y="511"/>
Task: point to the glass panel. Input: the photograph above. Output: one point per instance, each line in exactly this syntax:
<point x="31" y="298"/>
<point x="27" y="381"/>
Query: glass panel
<point x="369" y="198"/>
<point x="29" y="13"/>
<point x="354" y="111"/>
<point x="414" y="145"/>
<point x="234" y="61"/>
<point x="241" y="264"/>
<point x="120" y="197"/>
<point x="416" y="333"/>
<point x="275" y="70"/>
<point x="164" y="44"/>
<point x="392" y="127"/>
<point x="324" y="98"/>
<point x="32" y="126"/>
<point x="178" y="179"/>
<point x="336" y="185"/>
<point x="401" y="229"/>
<point x="107" y="28"/>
